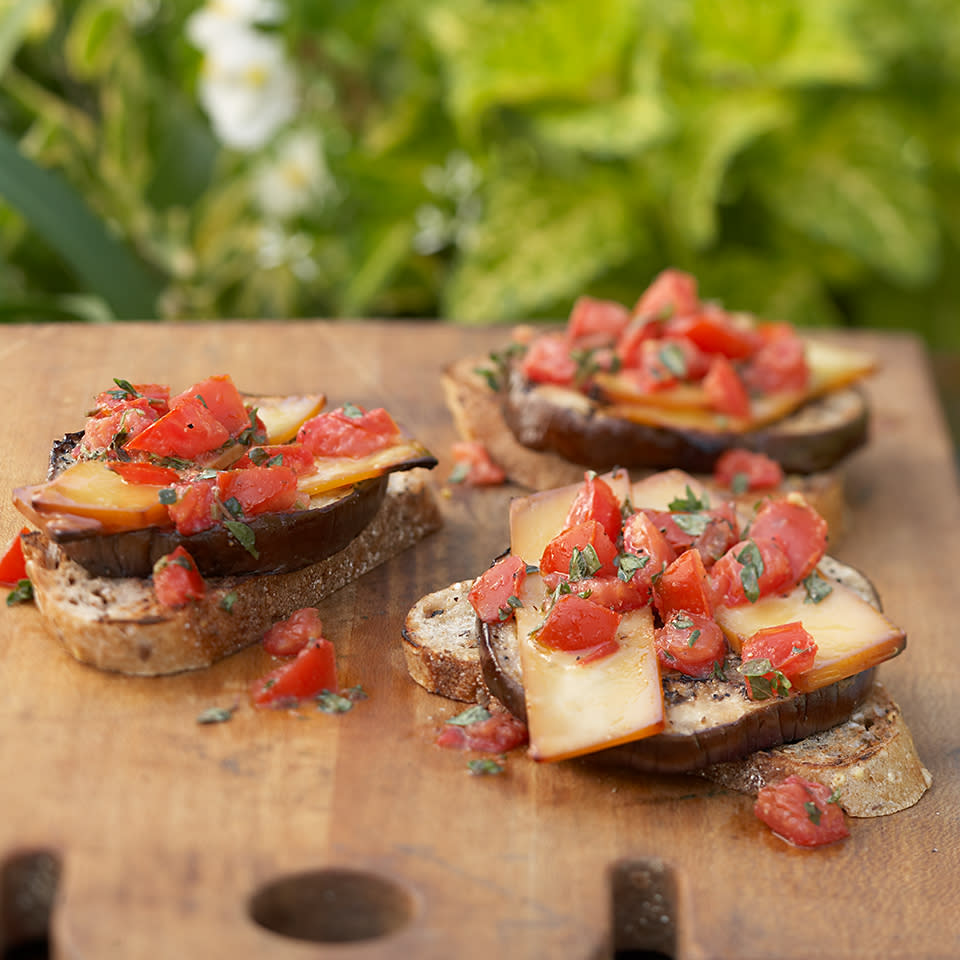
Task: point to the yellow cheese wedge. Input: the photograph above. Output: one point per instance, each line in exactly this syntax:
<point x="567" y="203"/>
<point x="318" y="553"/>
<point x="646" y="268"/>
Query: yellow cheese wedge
<point x="332" y="472"/>
<point x="283" y="416"/>
<point x="536" y="519"/>
<point x="659" y="490"/>
<point x="574" y="708"/>
<point x="850" y="634"/>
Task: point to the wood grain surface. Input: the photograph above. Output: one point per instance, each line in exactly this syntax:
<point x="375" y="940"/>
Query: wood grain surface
<point x="291" y="835"/>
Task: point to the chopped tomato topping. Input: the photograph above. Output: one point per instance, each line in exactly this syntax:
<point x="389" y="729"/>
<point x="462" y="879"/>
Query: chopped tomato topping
<point x="749" y="570"/>
<point x="118" y="426"/>
<point x="176" y="579"/>
<point x="576" y="624"/>
<point x="595" y="322"/>
<point x="13" y="567"/>
<point x="473" y="466"/>
<point x="221" y="397"/>
<point x="780" y="363"/>
<point x="258" y="489"/>
<point x="725" y="390"/>
<point x="310" y="673"/>
<point x="580" y="551"/>
<point x="802" y="812"/>
<point x="672" y="293"/>
<point x="156" y="395"/>
<point x="683" y="586"/>
<point x="287" y="638"/>
<point x="642" y="539"/>
<point x="690" y="643"/>
<point x="151" y="474"/>
<point x="742" y="470"/>
<point x="661" y="363"/>
<point x="714" y="331"/>
<point x="614" y="592"/>
<point x="711" y="531"/>
<point x="629" y="346"/>
<point x="195" y="508"/>
<point x="797" y="528"/>
<point x="293" y="455"/>
<point x="548" y="360"/>
<point x="596" y="501"/>
<point x="349" y="432"/>
<point x="498" y="733"/>
<point x="788" y="647"/>
<point x="494" y="594"/>
<point x="187" y="431"/>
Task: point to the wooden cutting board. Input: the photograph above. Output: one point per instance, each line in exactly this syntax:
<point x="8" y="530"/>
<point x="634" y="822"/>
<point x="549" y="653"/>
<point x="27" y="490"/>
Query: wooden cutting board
<point x="159" y="837"/>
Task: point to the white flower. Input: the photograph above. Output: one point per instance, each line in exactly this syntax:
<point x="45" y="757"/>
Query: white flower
<point x="206" y="26"/>
<point x="247" y="87"/>
<point x="297" y="177"/>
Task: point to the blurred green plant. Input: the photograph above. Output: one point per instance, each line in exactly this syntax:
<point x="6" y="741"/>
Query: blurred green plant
<point x="479" y="160"/>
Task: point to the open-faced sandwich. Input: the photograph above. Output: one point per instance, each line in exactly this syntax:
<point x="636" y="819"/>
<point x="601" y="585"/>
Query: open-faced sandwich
<point x="175" y="529"/>
<point x="673" y="382"/>
<point x="650" y="625"/>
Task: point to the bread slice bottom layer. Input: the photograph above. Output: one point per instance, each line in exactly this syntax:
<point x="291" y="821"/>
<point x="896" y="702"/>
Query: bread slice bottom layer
<point x="116" y="624"/>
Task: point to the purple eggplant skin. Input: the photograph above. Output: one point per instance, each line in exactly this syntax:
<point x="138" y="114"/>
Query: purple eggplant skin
<point x="815" y="438"/>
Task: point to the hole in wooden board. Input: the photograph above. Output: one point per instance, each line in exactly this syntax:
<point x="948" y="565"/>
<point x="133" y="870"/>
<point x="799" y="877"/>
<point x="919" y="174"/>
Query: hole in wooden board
<point x="643" y="899"/>
<point x="332" y="906"/>
<point x="28" y="885"/>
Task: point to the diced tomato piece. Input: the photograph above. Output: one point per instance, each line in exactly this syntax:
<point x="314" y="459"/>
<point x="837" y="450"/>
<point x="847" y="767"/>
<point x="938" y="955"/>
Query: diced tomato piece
<point x="473" y="465"/>
<point x="690" y="643"/>
<point x="712" y="531"/>
<point x="309" y="674"/>
<point x="596" y="322"/>
<point x="672" y="293"/>
<point x="725" y="390"/>
<point x="789" y="647"/>
<point x="683" y="586"/>
<point x="142" y="472"/>
<point x="494" y="593"/>
<point x="660" y="363"/>
<point x="596" y="501"/>
<point x="13" y="567"/>
<point x="548" y="360"/>
<point x="801" y="812"/>
<point x="293" y="455"/>
<point x="195" y="508"/>
<point x="780" y="363"/>
<point x="612" y="592"/>
<point x="499" y="733"/>
<point x="630" y="345"/>
<point x="797" y="528"/>
<point x="735" y="576"/>
<point x="575" y="624"/>
<point x="642" y="539"/>
<point x="156" y="395"/>
<point x="742" y="470"/>
<point x="715" y="332"/>
<point x="187" y="431"/>
<point x="122" y="424"/>
<point x="349" y="432"/>
<point x="221" y="397"/>
<point x="577" y="541"/>
<point x="288" y="637"/>
<point x="176" y="579"/>
<point x="258" y="489"/>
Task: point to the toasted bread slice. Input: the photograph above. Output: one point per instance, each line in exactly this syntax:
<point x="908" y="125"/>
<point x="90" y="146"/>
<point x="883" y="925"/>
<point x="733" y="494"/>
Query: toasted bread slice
<point x="478" y="414"/>
<point x="116" y="623"/>
<point x="850" y="736"/>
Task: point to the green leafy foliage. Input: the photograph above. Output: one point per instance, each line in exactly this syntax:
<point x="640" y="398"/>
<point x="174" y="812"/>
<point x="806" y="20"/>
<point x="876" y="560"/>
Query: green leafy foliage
<point x="488" y="160"/>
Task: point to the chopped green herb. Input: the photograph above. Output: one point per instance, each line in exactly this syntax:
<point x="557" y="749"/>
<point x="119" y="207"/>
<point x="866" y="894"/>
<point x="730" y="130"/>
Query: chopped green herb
<point x="276" y="461"/>
<point x="584" y="563"/>
<point x="355" y="693"/>
<point x="740" y="483"/>
<point x="513" y="603"/>
<point x="692" y="524"/>
<point x="813" y="812"/>
<point x="329" y="702"/>
<point x="628" y="564"/>
<point x="486" y="766"/>
<point x="257" y="455"/>
<point x="672" y="357"/>
<point x="352" y="411"/>
<point x="228" y="600"/>
<point x="682" y="621"/>
<point x="167" y="496"/>
<point x="751" y="563"/>
<point x="627" y="510"/>
<point x="243" y="535"/>
<point x="816" y="587"/>
<point x="216" y="715"/>
<point x="127" y="390"/>
<point x="21" y="593"/>
<point x="531" y="568"/>
<point x="834" y="797"/>
<point x="473" y="714"/>
<point x="694" y="636"/>
<point x="689" y="502"/>
<point x="717" y="673"/>
<point x="459" y="473"/>
<point x="763" y="682"/>
<point x="232" y="506"/>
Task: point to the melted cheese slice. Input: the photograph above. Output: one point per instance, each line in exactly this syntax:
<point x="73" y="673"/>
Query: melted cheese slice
<point x="850" y="634"/>
<point x="283" y="416"/>
<point x="332" y="472"/>
<point x="536" y="519"/>
<point x="574" y="708"/>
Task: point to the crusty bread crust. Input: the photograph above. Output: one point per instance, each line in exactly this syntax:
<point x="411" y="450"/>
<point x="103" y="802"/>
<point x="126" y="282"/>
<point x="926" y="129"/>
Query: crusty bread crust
<point x="116" y="624"/>
<point x="478" y="415"/>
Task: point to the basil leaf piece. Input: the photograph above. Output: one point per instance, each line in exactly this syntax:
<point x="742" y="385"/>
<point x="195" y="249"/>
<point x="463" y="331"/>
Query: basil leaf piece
<point x="816" y="587"/>
<point x="329" y="702"/>
<point x="216" y="715"/>
<point x="474" y="714"/>
<point x="688" y="503"/>
<point x="813" y="812"/>
<point x="484" y="766"/>
<point x="243" y="535"/>
<point x="628" y="564"/>
<point x="584" y="563"/>
<point x="692" y="524"/>
<point x="21" y="593"/>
